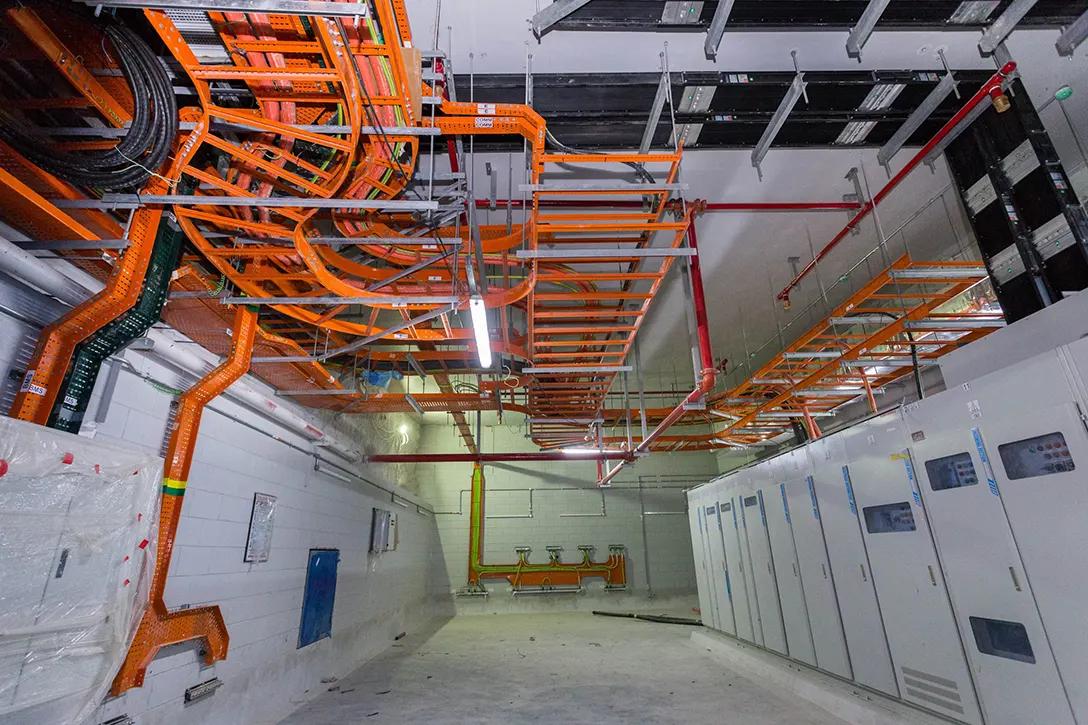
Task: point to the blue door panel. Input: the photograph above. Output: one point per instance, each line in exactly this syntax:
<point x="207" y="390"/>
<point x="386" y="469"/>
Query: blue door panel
<point x="317" y="604"/>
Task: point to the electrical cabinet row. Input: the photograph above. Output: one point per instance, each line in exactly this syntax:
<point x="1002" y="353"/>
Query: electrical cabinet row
<point x="937" y="554"/>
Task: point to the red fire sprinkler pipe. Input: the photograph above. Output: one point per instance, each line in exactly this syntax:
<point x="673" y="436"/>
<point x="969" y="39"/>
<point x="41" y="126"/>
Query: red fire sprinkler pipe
<point x="986" y="91"/>
<point x="708" y="374"/>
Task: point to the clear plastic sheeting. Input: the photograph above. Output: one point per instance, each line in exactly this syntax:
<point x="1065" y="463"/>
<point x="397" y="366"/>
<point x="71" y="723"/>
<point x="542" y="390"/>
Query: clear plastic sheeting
<point x="78" y="521"/>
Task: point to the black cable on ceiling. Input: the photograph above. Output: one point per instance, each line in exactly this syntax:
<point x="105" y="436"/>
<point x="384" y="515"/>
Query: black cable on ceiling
<point x="139" y="153"/>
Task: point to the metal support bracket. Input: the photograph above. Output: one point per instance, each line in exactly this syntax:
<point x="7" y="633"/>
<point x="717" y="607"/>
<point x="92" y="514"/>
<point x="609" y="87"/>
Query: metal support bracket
<point x="717" y="28"/>
<point x="1000" y="29"/>
<point x="655" y="114"/>
<point x="859" y="34"/>
<point x="549" y="16"/>
<point x="915" y="120"/>
<point x="1072" y="36"/>
<point x="796" y="91"/>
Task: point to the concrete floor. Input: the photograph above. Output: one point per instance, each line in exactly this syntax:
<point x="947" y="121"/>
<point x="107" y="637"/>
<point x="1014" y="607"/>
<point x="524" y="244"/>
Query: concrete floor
<point x="566" y="668"/>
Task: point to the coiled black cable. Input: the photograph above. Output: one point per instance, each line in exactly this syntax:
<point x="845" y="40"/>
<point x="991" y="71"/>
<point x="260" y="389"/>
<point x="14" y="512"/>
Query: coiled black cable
<point x="140" y="152"/>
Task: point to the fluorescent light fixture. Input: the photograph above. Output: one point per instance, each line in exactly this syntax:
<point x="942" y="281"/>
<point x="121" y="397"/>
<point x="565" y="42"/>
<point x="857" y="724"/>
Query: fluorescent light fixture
<point x="479" y="326"/>
<point x="881" y="96"/>
<point x="854" y="132"/>
<point x="581" y="451"/>
<point x="974" y="12"/>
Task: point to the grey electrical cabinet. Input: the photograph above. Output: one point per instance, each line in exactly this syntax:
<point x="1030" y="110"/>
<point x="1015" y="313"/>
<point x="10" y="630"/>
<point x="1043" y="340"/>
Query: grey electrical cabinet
<point x="925" y="643"/>
<point x="818" y="586"/>
<point x="1014" y="668"/>
<point x="748" y="517"/>
<point x="791" y="592"/>
<point x="706" y="504"/>
<point x="934" y="553"/>
<point x="698" y="547"/>
<point x="862" y="622"/>
<point x="742" y="610"/>
<point x="1032" y="424"/>
<point x="770" y="611"/>
<point x="721" y="567"/>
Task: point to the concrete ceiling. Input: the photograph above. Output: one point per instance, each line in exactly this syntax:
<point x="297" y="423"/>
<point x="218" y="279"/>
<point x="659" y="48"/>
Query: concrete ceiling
<point x="745" y="256"/>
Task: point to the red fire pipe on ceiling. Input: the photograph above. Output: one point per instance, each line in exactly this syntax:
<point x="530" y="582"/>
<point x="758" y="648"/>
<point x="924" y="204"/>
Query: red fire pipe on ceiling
<point x="983" y="93"/>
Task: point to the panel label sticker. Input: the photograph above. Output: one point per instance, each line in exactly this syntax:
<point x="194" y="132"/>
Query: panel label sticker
<point x="26" y="381"/>
<point x="918" y="436"/>
<point x="975" y="409"/>
<point x="812" y="495"/>
<point x="910" y="476"/>
<point x="485" y="122"/>
<point x="849" y="490"/>
<point x="986" y="468"/>
<point x="487" y="109"/>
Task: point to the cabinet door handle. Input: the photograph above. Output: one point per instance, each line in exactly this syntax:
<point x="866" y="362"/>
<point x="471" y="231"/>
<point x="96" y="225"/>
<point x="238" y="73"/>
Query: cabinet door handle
<point x="864" y="578"/>
<point x="769" y="569"/>
<point x="824" y="568"/>
<point x="794" y="569"/>
<point x="1015" y="579"/>
<point x="932" y="576"/>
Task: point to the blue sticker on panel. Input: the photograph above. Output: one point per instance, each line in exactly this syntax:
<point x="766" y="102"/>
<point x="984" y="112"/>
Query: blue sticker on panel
<point x="985" y="461"/>
<point x="762" y="511"/>
<point x="849" y="490"/>
<point x="785" y="504"/>
<point x="812" y="495"/>
<point x="910" y="476"/>
<point x="317" y="604"/>
<point x="728" y="587"/>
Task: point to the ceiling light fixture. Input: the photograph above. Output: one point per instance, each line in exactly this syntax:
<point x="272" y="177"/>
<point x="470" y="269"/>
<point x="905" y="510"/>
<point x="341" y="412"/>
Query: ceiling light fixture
<point x="479" y="326"/>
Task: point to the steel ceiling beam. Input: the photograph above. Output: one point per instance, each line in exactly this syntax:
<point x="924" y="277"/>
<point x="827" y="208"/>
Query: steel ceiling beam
<point x="717" y="28"/>
<point x="549" y="16"/>
<point x="859" y="34"/>
<point x="996" y="33"/>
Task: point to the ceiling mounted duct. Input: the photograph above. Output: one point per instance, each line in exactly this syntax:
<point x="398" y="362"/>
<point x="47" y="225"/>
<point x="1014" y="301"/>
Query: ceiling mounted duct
<point x="974" y="12"/>
<point x="682" y="13"/>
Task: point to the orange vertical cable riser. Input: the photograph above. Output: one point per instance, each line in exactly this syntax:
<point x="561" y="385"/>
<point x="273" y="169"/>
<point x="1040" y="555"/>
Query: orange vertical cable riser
<point x="159" y="626"/>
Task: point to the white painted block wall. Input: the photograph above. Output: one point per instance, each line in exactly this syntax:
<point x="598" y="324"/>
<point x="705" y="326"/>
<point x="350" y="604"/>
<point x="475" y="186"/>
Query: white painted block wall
<point x="265" y="676"/>
<point x="567" y="512"/>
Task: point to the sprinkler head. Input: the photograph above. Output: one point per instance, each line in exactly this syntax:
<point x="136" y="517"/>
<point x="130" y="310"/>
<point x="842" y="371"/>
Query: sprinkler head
<point x="1000" y="100"/>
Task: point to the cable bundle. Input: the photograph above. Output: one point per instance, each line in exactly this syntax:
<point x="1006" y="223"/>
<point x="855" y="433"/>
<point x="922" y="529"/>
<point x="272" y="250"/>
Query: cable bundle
<point x="143" y="149"/>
